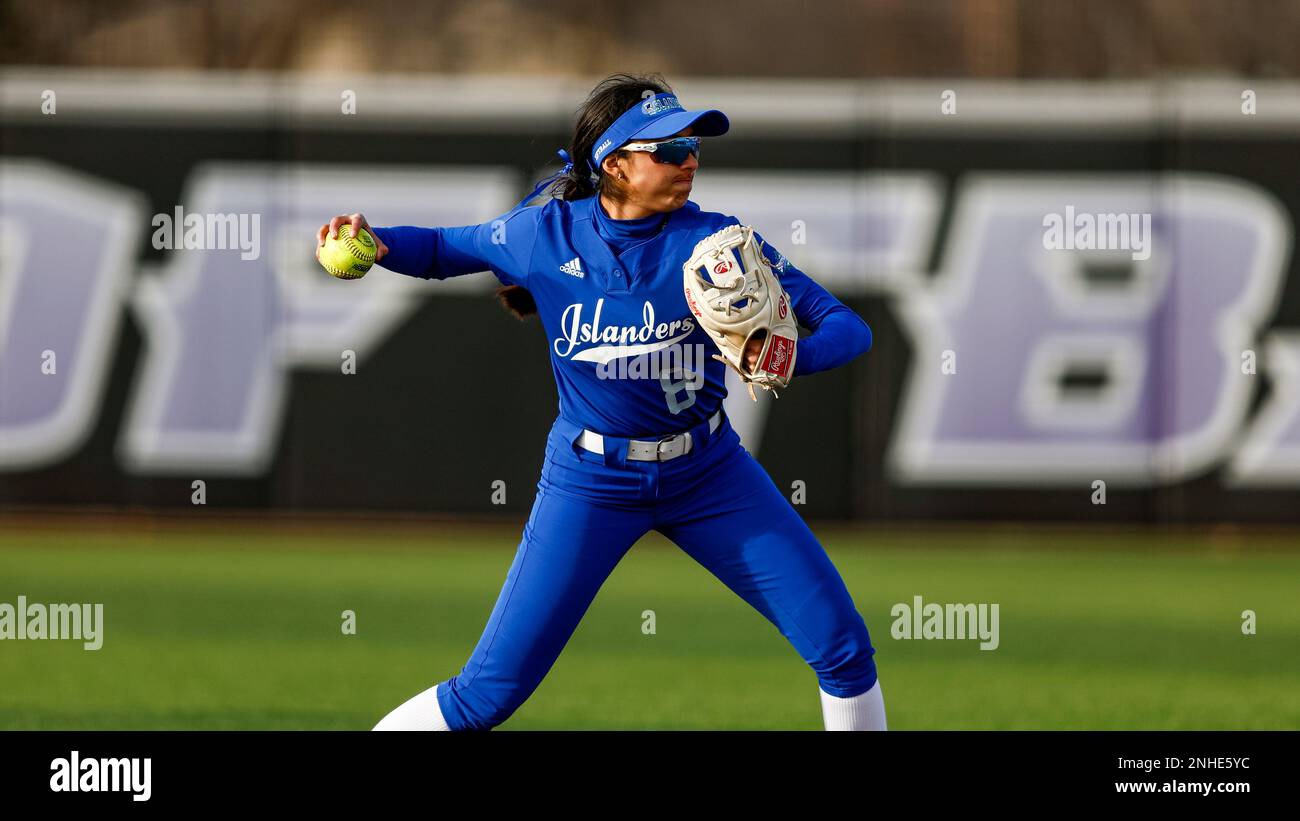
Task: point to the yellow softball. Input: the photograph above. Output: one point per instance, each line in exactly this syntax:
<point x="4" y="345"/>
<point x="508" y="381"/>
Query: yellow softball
<point x="347" y="256"/>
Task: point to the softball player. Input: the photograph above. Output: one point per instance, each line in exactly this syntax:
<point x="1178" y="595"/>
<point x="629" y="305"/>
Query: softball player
<point x="601" y="264"/>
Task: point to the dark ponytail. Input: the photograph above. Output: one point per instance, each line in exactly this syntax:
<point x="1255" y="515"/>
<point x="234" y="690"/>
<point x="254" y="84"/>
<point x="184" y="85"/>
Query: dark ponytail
<point x="606" y="103"/>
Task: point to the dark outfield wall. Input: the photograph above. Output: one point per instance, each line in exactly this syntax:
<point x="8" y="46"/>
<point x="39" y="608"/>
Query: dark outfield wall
<point x="455" y="395"/>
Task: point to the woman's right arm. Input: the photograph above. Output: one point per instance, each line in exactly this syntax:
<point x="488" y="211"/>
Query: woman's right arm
<point x="438" y="253"/>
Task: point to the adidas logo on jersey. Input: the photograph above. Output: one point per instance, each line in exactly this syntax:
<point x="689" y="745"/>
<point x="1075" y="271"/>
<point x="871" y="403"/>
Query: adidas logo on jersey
<point x="573" y="268"/>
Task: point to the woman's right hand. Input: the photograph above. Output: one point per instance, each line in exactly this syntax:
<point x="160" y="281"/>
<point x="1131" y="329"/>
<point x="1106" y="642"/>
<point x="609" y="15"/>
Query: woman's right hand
<point x="357" y="221"/>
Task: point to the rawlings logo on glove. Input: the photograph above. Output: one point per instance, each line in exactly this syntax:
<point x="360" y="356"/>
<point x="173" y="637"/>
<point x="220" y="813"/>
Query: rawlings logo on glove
<point x="733" y="291"/>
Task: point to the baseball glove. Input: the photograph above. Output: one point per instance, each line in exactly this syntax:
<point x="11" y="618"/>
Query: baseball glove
<point x="734" y="293"/>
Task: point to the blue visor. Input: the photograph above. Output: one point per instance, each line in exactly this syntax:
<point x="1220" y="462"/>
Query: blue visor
<point x="655" y="118"/>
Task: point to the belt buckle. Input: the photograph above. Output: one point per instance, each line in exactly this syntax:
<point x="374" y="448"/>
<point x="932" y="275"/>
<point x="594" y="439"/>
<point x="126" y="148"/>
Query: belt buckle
<point x="668" y="440"/>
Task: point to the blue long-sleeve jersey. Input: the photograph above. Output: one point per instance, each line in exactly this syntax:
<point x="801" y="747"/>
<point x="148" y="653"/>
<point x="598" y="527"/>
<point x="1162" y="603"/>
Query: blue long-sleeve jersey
<point x="598" y="307"/>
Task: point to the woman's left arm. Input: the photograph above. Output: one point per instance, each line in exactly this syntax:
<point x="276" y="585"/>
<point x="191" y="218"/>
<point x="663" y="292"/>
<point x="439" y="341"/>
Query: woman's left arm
<point x="838" y="333"/>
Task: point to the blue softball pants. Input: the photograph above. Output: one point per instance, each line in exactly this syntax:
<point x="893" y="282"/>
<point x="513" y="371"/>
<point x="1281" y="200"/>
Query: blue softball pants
<point x="717" y="503"/>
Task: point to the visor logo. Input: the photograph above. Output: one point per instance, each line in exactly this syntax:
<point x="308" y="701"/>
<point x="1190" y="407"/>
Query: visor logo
<point x="654" y="105"/>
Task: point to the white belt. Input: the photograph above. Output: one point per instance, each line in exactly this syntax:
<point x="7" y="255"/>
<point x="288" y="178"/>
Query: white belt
<point x="651" y="450"/>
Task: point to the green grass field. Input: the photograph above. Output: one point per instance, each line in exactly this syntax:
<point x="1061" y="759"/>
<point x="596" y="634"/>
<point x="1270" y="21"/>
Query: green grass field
<point x="242" y="631"/>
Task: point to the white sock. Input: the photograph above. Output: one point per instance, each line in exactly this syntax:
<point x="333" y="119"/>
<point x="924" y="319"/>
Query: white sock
<point x="420" y="712"/>
<point x="860" y="712"/>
